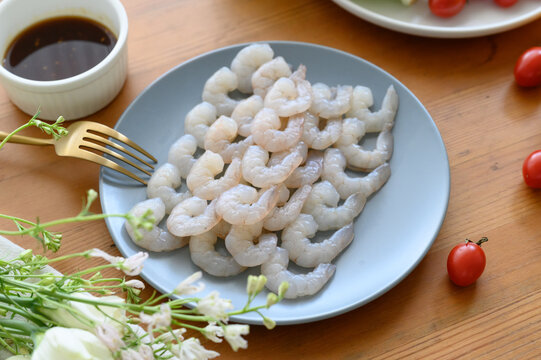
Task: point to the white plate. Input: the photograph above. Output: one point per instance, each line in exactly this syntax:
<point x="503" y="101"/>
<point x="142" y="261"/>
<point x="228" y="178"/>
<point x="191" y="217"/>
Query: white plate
<point x="479" y="17"/>
<point x="393" y="233"/>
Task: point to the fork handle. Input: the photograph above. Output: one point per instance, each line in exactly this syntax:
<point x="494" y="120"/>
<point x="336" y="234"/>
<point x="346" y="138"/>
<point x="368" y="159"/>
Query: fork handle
<point x="18" y="139"/>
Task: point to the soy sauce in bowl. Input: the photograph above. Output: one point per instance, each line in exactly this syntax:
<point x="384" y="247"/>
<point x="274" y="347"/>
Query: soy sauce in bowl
<point x="58" y="48"/>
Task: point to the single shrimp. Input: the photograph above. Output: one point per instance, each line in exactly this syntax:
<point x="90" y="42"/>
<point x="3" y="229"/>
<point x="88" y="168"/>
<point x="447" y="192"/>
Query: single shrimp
<point x="156" y="239"/>
<point x="201" y="180"/>
<point x="247" y="61"/>
<point x="362" y="100"/>
<point x="220" y="136"/>
<point x="255" y="170"/>
<point x="322" y="204"/>
<point x="204" y="255"/>
<point x="198" y="120"/>
<point x="267" y="134"/>
<point x="248" y="245"/>
<point x="296" y="240"/>
<point x="264" y="77"/>
<point x="352" y="132"/>
<point x="163" y="184"/>
<point x="334" y="163"/>
<point x="275" y="270"/>
<point x="222" y="229"/>
<point x="280" y="217"/>
<point x="290" y="96"/>
<point x="181" y="154"/>
<point x="321" y="139"/>
<point x="243" y="205"/>
<point x="244" y="114"/>
<point x="307" y="174"/>
<point x="283" y="194"/>
<point x="192" y="217"/>
<point x="331" y="102"/>
<point x="217" y="89"/>
<point x="365" y="160"/>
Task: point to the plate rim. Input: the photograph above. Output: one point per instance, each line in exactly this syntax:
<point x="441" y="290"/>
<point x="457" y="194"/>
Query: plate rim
<point x="333" y="311"/>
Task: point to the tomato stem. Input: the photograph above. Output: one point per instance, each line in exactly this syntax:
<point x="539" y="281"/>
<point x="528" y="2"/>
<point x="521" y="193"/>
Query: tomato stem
<point x="482" y="240"/>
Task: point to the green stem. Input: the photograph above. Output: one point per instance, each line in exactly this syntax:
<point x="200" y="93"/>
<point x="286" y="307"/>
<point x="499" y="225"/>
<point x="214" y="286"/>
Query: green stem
<point x="22" y="127"/>
<point x="23" y="326"/>
<point x="22" y="313"/>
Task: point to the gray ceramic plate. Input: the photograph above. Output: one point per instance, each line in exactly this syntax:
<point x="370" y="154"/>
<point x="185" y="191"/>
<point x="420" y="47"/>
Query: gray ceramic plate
<point x="393" y="233"/>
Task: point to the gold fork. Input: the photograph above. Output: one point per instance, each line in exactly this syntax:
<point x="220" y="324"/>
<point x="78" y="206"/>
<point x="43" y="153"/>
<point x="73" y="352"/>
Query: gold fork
<point x="84" y="136"/>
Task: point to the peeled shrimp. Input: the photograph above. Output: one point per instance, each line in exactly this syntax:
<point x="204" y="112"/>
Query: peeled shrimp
<point x="243" y="205"/>
<point x="217" y="89"/>
<point x="264" y="77"/>
<point x="331" y="102"/>
<point x="205" y="256"/>
<point x="248" y="246"/>
<point x="256" y="172"/>
<point x="244" y="114"/>
<point x="267" y="134"/>
<point x="220" y="139"/>
<point x="198" y="120"/>
<point x="192" y="217"/>
<point x="283" y="195"/>
<point x="247" y="61"/>
<point x="275" y="270"/>
<point x="362" y="100"/>
<point x="163" y="184"/>
<point x="156" y="239"/>
<point x="201" y="180"/>
<point x="352" y="132"/>
<point x="334" y="164"/>
<point x="280" y="217"/>
<point x="181" y="154"/>
<point x="307" y="174"/>
<point x="290" y="96"/>
<point x="296" y="240"/>
<point x="364" y="160"/>
<point x="322" y="204"/>
<point x="321" y="139"/>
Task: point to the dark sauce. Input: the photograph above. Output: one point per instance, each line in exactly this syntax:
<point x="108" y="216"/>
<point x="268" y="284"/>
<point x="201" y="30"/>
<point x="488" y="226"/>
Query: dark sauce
<point x="58" y="48"/>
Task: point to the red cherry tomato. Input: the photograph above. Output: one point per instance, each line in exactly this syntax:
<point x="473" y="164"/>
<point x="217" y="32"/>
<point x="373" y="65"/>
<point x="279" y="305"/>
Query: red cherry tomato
<point x="466" y="262"/>
<point x="531" y="170"/>
<point x="528" y="67"/>
<point x="446" y="8"/>
<point x="505" y="3"/>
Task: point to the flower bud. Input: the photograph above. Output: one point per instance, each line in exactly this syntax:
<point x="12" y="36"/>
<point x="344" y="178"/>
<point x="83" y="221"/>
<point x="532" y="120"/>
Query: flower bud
<point x="283" y="288"/>
<point x="26" y="255"/>
<point x="255" y="284"/>
<point x="272" y="299"/>
<point x="269" y="323"/>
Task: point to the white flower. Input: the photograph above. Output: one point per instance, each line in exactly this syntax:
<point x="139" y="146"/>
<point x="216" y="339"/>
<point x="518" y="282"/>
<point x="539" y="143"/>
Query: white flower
<point x="214" y="306"/>
<point x="233" y="336"/>
<point x="145" y="353"/>
<point x="131" y="266"/>
<point x="91" y="315"/>
<point x="213" y="332"/>
<point x="136" y="284"/>
<point x="186" y="287"/>
<point x="60" y="343"/>
<point x="171" y="336"/>
<point x="160" y="319"/>
<point x="191" y="349"/>
<point x="110" y="337"/>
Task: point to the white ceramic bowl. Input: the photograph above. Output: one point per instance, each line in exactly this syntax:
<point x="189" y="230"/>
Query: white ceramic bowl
<point x="79" y="95"/>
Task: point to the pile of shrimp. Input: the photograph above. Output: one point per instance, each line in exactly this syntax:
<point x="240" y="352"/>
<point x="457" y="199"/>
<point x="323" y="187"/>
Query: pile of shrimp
<point x="272" y="173"/>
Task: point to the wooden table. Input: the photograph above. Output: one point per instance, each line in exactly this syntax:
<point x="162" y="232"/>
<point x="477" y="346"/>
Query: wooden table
<point x="489" y="126"/>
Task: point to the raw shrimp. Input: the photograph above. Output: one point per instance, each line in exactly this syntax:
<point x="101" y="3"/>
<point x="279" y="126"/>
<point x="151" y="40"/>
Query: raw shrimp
<point x="198" y="120"/>
<point x="181" y="154"/>
<point x="322" y="204"/>
<point x="283" y="194"/>
<point x="156" y="239"/>
<point x="264" y="77"/>
<point x="192" y="217"/>
<point x="277" y="157"/>
<point x="256" y="172"/>
<point x="220" y="136"/>
<point x="205" y="256"/>
<point x="201" y="180"/>
<point x="244" y="114"/>
<point x="321" y="139"/>
<point x="365" y="160"/>
<point x="163" y="184"/>
<point x="222" y="229"/>
<point x="267" y="134"/>
<point x="275" y="270"/>
<point x="247" y="61"/>
<point x="290" y="96"/>
<point x="240" y="243"/>
<point x="307" y="174"/>
<point x="362" y="100"/>
<point x="334" y="164"/>
<point x="296" y="240"/>
<point x="243" y="205"/>
<point x="352" y="132"/>
<point x="330" y="102"/>
<point x="217" y="89"/>
<point x="280" y="217"/>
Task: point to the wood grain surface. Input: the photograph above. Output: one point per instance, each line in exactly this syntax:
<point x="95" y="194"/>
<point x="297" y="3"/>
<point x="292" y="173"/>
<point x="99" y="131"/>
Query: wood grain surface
<point x="488" y="124"/>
